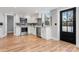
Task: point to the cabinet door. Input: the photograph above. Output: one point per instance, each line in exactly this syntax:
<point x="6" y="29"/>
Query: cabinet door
<point x="18" y="30"/>
<point x="48" y="33"/>
<point x="31" y="20"/>
<point x="31" y="30"/>
<point x="1" y="32"/>
<point x="43" y="32"/>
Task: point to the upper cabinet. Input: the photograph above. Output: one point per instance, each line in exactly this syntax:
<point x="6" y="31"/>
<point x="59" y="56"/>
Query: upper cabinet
<point x="39" y="15"/>
<point x="28" y="19"/>
<point x="40" y="18"/>
<point x="32" y="20"/>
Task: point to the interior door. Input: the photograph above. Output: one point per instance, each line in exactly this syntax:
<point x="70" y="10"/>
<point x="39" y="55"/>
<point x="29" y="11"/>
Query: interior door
<point x="68" y="25"/>
<point x="10" y="24"/>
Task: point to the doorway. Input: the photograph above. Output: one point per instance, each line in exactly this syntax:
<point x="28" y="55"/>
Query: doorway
<point x="10" y="25"/>
<point x="68" y="25"/>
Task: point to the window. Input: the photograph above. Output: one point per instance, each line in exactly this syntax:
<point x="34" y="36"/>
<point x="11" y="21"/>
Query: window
<point x="67" y="21"/>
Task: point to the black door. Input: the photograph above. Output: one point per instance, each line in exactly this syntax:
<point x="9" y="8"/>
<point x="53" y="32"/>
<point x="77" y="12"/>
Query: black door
<point x="68" y="25"/>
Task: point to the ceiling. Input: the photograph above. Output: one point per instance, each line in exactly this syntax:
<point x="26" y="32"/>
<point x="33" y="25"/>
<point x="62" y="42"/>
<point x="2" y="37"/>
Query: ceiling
<point x="25" y="10"/>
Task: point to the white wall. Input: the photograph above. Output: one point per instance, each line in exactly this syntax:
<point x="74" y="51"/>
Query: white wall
<point x="77" y="27"/>
<point x="55" y="27"/>
<point x="2" y="28"/>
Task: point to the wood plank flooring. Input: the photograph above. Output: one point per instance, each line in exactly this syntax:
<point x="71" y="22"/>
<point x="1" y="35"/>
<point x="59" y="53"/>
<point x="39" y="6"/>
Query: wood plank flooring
<point x="31" y="43"/>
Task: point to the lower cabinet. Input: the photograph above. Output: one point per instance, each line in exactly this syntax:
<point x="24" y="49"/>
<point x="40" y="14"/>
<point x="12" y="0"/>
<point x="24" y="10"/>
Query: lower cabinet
<point x="31" y="30"/>
<point x="1" y="32"/>
<point x="17" y="31"/>
<point x="43" y="32"/>
<point x="46" y="33"/>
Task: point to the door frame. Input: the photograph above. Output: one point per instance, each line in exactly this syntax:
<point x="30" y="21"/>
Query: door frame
<point x="74" y="21"/>
<point x="6" y="22"/>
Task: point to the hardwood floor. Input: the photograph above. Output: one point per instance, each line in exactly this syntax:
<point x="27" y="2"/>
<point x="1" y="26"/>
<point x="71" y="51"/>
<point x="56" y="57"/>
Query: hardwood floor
<point x="31" y="43"/>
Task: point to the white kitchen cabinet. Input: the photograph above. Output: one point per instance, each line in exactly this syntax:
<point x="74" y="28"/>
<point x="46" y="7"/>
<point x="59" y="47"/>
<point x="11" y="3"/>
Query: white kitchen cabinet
<point x="18" y="31"/>
<point x="46" y="32"/>
<point x="32" y="20"/>
<point x="34" y="31"/>
<point x="39" y="15"/>
<point x="31" y="30"/>
<point x="43" y="32"/>
<point x="28" y="19"/>
<point x="1" y="32"/>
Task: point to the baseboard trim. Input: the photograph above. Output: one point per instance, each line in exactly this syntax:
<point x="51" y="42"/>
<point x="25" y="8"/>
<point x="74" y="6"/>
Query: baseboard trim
<point x="55" y="39"/>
